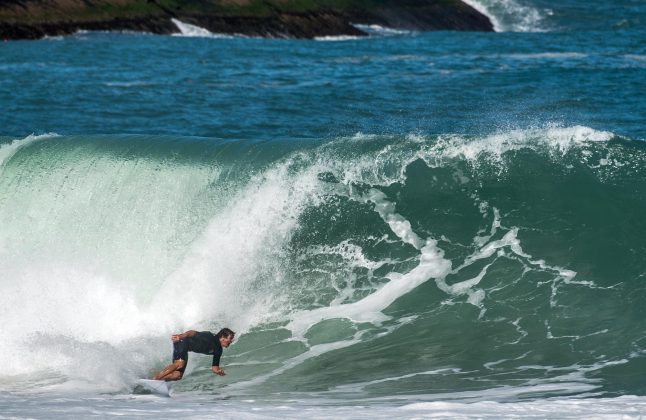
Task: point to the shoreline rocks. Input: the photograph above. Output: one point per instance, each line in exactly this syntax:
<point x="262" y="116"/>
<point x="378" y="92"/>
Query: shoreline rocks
<point x="34" y="19"/>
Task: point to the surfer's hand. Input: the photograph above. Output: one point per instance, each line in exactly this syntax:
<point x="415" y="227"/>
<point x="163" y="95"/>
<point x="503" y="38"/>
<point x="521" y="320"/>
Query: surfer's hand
<point x="175" y="338"/>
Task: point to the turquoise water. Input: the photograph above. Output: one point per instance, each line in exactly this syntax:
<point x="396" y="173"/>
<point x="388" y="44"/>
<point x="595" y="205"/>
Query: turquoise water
<point x="387" y="222"/>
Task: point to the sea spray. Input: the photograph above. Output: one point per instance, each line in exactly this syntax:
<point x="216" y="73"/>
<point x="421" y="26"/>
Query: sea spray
<point x="511" y="15"/>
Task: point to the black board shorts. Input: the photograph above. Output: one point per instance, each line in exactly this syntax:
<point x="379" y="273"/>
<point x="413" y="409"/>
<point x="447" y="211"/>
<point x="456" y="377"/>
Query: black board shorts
<point x="180" y="351"/>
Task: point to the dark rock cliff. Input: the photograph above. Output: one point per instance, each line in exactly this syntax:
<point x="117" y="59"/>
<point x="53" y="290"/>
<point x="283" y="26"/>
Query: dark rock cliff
<point x="32" y="19"/>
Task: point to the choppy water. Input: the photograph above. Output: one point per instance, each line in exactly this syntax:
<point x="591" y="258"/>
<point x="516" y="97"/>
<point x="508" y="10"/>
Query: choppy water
<point x="408" y="225"/>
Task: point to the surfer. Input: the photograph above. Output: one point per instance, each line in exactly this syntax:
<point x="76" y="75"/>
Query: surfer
<point x="203" y="342"/>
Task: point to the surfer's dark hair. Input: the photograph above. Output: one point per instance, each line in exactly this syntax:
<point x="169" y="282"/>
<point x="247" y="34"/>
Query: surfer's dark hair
<point x="225" y="332"/>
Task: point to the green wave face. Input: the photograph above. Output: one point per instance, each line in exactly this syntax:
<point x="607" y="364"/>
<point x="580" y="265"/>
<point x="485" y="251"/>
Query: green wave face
<point x="363" y="266"/>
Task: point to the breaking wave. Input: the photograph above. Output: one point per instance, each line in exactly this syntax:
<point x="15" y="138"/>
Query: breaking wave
<point x="449" y="262"/>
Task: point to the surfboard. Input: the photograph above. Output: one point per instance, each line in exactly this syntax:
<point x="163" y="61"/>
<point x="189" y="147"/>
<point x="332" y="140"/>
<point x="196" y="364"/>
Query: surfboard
<point x="155" y="387"/>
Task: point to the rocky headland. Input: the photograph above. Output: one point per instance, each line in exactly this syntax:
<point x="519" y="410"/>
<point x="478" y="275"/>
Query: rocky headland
<point x="33" y="19"/>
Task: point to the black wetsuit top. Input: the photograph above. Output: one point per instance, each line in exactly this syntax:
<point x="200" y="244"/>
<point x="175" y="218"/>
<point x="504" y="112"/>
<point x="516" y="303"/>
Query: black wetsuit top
<point x="202" y="342"/>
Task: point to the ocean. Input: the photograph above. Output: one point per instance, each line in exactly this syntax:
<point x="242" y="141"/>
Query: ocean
<point x="407" y="225"/>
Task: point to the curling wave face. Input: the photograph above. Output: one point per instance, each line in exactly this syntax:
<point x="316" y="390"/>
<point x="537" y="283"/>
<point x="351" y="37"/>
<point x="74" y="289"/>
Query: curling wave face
<point x="362" y="266"/>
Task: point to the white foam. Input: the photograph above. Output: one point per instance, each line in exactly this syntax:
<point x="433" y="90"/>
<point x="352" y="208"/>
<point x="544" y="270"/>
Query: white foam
<point x="547" y="55"/>
<point x="558" y="140"/>
<point x="233" y="271"/>
<point x="353" y="257"/>
<point x="398" y="224"/>
<point x="480" y="7"/>
<point x="636" y="57"/>
<point x="432" y="265"/>
<point x="510" y="15"/>
<point x="311" y="352"/>
<point x="337" y="38"/>
<point x="369" y="309"/>
<point x="381" y="30"/>
<point x="625" y="407"/>
<point x="10" y="149"/>
<point x="359" y="386"/>
<point x="507" y="246"/>
<point x="485" y="250"/>
<point x="193" y="31"/>
<point x="71" y="323"/>
<point x="404" y="406"/>
<point x="351" y="253"/>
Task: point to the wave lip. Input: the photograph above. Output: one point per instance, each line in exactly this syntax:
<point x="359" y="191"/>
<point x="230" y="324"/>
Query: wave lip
<point x="494" y="146"/>
<point x="8" y="150"/>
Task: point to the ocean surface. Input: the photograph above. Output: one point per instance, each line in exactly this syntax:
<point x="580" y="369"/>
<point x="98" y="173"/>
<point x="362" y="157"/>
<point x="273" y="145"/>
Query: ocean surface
<point x="408" y="225"/>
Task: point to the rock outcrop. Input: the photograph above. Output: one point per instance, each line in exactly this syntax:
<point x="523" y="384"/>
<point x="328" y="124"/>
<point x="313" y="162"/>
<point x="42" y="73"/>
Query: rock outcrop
<point x="33" y="19"/>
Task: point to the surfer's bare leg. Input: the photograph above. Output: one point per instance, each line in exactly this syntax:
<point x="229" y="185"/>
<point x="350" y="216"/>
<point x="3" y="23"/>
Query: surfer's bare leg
<point x="172" y="371"/>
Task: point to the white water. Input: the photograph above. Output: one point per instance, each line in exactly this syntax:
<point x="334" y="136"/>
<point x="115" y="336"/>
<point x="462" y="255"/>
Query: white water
<point x="120" y="280"/>
<point x="194" y="31"/>
<point x="369" y="309"/>
<point x="336" y="38"/>
<point x="511" y="15"/>
<point x="193" y="407"/>
<point x="10" y="149"/>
